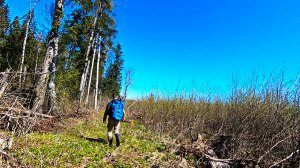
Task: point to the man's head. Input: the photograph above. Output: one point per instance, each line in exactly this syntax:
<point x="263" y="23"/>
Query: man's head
<point x="115" y="96"/>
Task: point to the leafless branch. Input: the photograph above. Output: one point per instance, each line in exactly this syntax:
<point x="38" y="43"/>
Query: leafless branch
<point x="285" y="159"/>
<point x="260" y="159"/>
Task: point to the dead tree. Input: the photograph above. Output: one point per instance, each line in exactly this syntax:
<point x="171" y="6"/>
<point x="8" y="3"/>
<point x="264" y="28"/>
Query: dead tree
<point x="51" y="53"/>
<point x="128" y="81"/>
<point x="24" y="46"/>
<point x="4" y="82"/>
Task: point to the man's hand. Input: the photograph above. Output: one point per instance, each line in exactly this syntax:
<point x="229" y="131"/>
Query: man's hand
<point x="104" y="123"/>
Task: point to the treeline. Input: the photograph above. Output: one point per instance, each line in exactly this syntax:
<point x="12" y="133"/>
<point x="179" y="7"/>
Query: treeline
<point x="79" y="59"/>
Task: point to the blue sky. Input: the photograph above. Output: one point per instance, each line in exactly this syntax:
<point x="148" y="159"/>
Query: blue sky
<point x="202" y="43"/>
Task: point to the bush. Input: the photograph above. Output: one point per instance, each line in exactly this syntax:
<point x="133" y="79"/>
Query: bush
<point x="261" y="121"/>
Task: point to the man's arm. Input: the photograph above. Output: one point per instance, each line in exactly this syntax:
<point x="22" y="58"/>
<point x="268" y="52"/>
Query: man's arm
<point x="124" y="117"/>
<point x="106" y="112"/>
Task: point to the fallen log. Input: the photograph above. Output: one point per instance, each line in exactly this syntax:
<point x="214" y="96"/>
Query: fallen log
<point x="27" y="73"/>
<point x="231" y="162"/>
<point x="28" y="112"/>
<point x="6" y="143"/>
<point x="207" y="156"/>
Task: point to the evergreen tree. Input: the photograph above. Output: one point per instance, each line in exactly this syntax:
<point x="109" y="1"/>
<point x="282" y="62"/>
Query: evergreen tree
<point x="113" y="77"/>
<point x="12" y="47"/>
<point x="4" y="20"/>
<point x="76" y="37"/>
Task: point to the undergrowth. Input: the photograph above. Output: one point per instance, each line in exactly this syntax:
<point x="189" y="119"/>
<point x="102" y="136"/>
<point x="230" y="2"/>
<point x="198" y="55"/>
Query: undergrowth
<point x="260" y="120"/>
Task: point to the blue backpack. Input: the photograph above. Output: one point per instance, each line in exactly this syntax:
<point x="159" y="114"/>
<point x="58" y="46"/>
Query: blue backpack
<point x="117" y="110"/>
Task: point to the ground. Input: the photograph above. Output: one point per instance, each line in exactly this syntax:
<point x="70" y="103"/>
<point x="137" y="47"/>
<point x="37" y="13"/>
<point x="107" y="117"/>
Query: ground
<point x="81" y="142"/>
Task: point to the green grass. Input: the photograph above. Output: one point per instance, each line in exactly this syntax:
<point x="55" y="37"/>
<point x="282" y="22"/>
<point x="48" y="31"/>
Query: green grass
<point x="75" y="146"/>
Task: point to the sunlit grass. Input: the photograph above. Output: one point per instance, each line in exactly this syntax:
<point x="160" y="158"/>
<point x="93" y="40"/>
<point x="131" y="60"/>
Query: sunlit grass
<point x="84" y="145"/>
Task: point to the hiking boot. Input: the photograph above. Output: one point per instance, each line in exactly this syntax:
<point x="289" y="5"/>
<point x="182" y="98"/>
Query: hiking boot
<point x="110" y="141"/>
<point x="117" y="140"/>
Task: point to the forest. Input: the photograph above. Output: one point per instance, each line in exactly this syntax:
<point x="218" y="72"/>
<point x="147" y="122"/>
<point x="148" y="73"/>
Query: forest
<point x="55" y="83"/>
<point x="78" y="59"/>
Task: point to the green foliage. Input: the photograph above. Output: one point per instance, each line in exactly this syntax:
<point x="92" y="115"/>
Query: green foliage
<point x="4" y="20"/>
<point x="12" y="47"/>
<point x="76" y="35"/>
<point x="68" y="84"/>
<point x="113" y="78"/>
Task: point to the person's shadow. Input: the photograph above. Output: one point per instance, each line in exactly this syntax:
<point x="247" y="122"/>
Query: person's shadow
<point x="99" y="140"/>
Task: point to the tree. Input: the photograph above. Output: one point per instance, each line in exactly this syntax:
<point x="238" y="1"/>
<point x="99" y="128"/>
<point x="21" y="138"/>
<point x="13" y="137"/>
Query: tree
<point x="92" y="67"/>
<point x="11" y="48"/>
<point x="113" y="78"/>
<point x="97" y="76"/>
<point x="80" y="30"/>
<point x="51" y="54"/>
<point x="86" y="41"/>
<point x="30" y="17"/>
<point x="128" y="81"/>
<point x="4" y="20"/>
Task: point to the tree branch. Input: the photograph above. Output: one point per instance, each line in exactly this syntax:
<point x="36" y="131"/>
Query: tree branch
<point x="285" y="159"/>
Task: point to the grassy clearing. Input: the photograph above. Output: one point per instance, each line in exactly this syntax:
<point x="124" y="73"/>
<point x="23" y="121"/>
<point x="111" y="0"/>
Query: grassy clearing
<point x="82" y="143"/>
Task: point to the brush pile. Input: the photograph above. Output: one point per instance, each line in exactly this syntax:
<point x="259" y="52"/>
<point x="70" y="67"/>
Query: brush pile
<point x="15" y="111"/>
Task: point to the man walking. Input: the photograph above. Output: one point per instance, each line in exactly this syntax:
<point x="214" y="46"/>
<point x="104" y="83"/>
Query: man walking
<point x="116" y="113"/>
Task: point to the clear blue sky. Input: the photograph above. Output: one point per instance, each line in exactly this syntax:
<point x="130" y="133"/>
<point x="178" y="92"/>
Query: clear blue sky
<point x="202" y="42"/>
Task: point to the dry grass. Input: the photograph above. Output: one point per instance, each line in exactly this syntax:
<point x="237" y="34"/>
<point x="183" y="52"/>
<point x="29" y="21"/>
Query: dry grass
<point x="258" y="121"/>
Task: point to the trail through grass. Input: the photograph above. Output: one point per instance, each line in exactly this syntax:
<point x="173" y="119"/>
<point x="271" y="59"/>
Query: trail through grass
<point x="82" y="143"/>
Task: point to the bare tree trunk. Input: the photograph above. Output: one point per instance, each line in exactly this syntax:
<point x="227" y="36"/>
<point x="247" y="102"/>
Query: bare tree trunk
<point x="91" y="72"/>
<point x="51" y="85"/>
<point x="41" y="87"/>
<point x="36" y="63"/>
<point x="4" y="82"/>
<point x="97" y="76"/>
<point x="24" y="47"/>
<point x="24" y="78"/>
<point x="85" y="71"/>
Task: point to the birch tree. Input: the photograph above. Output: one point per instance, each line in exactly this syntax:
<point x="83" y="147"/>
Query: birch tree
<point x="30" y="16"/>
<point x="91" y="71"/>
<point x="86" y="66"/>
<point x="97" y="76"/>
<point x="51" y="52"/>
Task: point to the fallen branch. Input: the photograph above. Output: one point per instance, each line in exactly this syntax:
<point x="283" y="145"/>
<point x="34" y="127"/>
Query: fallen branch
<point x="11" y="160"/>
<point x="260" y="159"/>
<point x="229" y="161"/>
<point x="27" y="73"/>
<point x="233" y="162"/>
<point x="285" y="159"/>
<point x="29" y="112"/>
